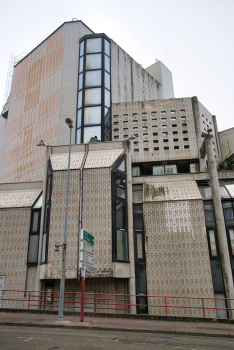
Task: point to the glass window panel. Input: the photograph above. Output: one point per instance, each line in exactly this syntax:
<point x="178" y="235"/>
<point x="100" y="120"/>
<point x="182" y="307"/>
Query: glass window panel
<point x="121" y="192"/>
<point x="209" y="214"/>
<point x="122" y="166"/>
<point x="107" y="80"/>
<point x="93" y="61"/>
<point x="136" y="171"/>
<point x="35" y="221"/>
<point x="217" y="276"/>
<point x="81" y="64"/>
<point x="107" y="98"/>
<point x="93" y="78"/>
<point x="121" y="215"/>
<point x="212" y="243"/>
<point x="107" y="47"/>
<point x="205" y="192"/>
<point x="80" y="99"/>
<point x="230" y="189"/>
<point x="92" y="115"/>
<point x="158" y="170"/>
<point x="107" y="118"/>
<point x="223" y="192"/>
<point x="138" y="217"/>
<point x="78" y="136"/>
<point x="107" y="134"/>
<point x="141" y="279"/>
<point x="49" y="179"/>
<point x="81" y="48"/>
<point x="171" y="169"/>
<point x="194" y="167"/>
<point x="231" y="235"/>
<point x="120" y="179"/>
<point x="43" y="253"/>
<point x="93" y="96"/>
<point x="107" y="63"/>
<point x="122" y="245"/>
<point x="139" y="246"/>
<point x="92" y="132"/>
<point x="80" y="81"/>
<point x="93" y="45"/>
<point x="38" y="203"/>
<point x="228" y="213"/>
<point x="79" y="115"/>
<point x="33" y="249"/>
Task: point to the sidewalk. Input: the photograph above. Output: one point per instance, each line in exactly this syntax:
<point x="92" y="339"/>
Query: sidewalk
<point x="212" y="329"/>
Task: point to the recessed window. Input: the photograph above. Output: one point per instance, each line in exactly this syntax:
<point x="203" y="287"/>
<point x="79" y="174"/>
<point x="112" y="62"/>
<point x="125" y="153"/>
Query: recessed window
<point x="155" y="141"/>
<point x="165" y="133"/>
<point x="116" y="137"/>
<point x="155" y="134"/>
<point x="136" y="142"/>
<point x="172" y="111"/>
<point x="163" y="119"/>
<point x="116" y="123"/>
<point x="173" y="118"/>
<point x="145" y="134"/>
<point x="176" y="147"/>
<point x="136" y="171"/>
<point x="116" y="115"/>
<point x="174" y="125"/>
<point x="182" y="110"/>
<point x="136" y="149"/>
<point x="146" y="149"/>
<point x="156" y="148"/>
<point x="154" y="119"/>
<point x="184" y="124"/>
<point x="163" y="112"/>
<point x="183" y="117"/>
<point x="158" y="169"/>
<point x="164" y="126"/>
<point x="136" y="135"/>
<point x="165" y="140"/>
<point x="186" y="146"/>
<point x="116" y="130"/>
<point x="185" y="139"/>
<point x="174" y="132"/>
<point x="185" y="131"/>
<point x="166" y="148"/>
<point x="170" y="169"/>
<point x="175" y="140"/>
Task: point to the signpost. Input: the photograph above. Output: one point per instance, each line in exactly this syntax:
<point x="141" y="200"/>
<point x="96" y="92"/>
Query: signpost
<point x="85" y="263"/>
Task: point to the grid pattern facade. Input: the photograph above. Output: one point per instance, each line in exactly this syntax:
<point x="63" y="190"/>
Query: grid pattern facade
<point x="14" y="232"/>
<point x="177" y="256"/>
<point x="97" y="217"/>
<point x="57" y="217"/>
<point x="163" y="130"/>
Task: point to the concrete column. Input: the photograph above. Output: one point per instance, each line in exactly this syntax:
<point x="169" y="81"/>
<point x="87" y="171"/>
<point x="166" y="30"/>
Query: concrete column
<point x="220" y="223"/>
<point x="197" y="121"/>
<point x="132" y="279"/>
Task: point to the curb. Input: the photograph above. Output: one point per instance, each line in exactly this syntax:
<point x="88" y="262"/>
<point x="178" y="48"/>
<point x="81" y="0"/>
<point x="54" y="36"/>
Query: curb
<point x="157" y="331"/>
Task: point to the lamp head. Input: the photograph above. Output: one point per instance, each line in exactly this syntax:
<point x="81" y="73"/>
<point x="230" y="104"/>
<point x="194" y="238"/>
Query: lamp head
<point x="41" y="143"/>
<point x="69" y="122"/>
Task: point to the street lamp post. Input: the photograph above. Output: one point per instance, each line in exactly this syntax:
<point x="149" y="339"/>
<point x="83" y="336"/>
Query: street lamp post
<point x="69" y="122"/>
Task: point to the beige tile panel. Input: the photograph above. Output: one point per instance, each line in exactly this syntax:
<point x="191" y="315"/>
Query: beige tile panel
<point x="171" y="191"/>
<point x="60" y="161"/>
<point x="18" y="199"/>
<point x="102" y="159"/>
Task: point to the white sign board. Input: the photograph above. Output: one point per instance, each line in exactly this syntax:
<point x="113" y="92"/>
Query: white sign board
<point x="85" y="247"/>
<point x="86" y="258"/>
<point x="88" y="267"/>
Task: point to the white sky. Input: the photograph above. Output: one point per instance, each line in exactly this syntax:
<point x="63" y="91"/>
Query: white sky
<point x="193" y="38"/>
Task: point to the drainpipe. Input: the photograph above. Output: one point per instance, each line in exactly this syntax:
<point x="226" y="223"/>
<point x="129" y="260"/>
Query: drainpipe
<point x="220" y="223"/>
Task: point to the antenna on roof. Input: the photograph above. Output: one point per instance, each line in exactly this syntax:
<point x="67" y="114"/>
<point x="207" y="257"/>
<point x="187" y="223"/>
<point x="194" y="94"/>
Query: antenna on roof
<point x="74" y="19"/>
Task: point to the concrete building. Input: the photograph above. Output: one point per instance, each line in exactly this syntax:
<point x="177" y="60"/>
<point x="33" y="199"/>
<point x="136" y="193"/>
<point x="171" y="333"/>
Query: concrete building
<point x="143" y="179"/>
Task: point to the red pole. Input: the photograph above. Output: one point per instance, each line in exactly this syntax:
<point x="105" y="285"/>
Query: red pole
<point x="82" y="299"/>
<point x="203" y="308"/>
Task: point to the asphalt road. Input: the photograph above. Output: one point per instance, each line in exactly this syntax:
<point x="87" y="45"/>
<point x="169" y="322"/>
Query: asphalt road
<point x="33" y="338"/>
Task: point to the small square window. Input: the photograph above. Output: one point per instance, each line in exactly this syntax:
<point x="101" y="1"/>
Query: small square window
<point x="136" y="149"/>
<point x="163" y="112"/>
<point x="155" y="134"/>
<point x="146" y="149"/>
<point x="172" y="111"/>
<point x="116" y="130"/>
<point x="184" y="124"/>
<point x="186" y="146"/>
<point x="174" y="125"/>
<point x="182" y="110"/>
<point x="165" y="140"/>
<point x="116" y="137"/>
<point x="175" y="140"/>
<point x="155" y="141"/>
<point x="185" y="139"/>
<point x="166" y="148"/>
<point x="174" y="132"/>
<point x="156" y="148"/>
<point x="176" y="147"/>
<point x="185" y="131"/>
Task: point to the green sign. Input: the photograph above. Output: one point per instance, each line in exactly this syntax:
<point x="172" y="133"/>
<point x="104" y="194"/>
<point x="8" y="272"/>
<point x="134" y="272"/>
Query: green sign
<point x="88" y="237"/>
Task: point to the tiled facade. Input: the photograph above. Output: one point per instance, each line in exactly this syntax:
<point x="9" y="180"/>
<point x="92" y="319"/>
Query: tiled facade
<point x="177" y="256"/>
<point x="57" y="224"/>
<point x="163" y="130"/>
<point x="17" y="199"/>
<point x="97" y="217"/>
<point x="14" y="233"/>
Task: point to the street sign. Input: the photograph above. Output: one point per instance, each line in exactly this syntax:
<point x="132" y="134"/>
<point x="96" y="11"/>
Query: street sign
<point x="86" y="248"/>
<point x="86" y="258"/>
<point x="87" y="237"/>
<point x="87" y="267"/>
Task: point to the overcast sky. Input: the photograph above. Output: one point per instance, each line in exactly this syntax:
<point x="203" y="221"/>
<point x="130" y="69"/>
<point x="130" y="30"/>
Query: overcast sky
<point x="193" y="38"/>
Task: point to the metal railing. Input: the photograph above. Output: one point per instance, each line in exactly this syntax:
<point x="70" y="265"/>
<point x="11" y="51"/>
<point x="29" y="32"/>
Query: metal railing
<point x="112" y="303"/>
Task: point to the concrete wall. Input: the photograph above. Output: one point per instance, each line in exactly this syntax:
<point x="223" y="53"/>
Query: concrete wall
<point x="148" y="121"/>
<point x="129" y="81"/>
<point x="226" y="139"/>
<point x="164" y="76"/>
